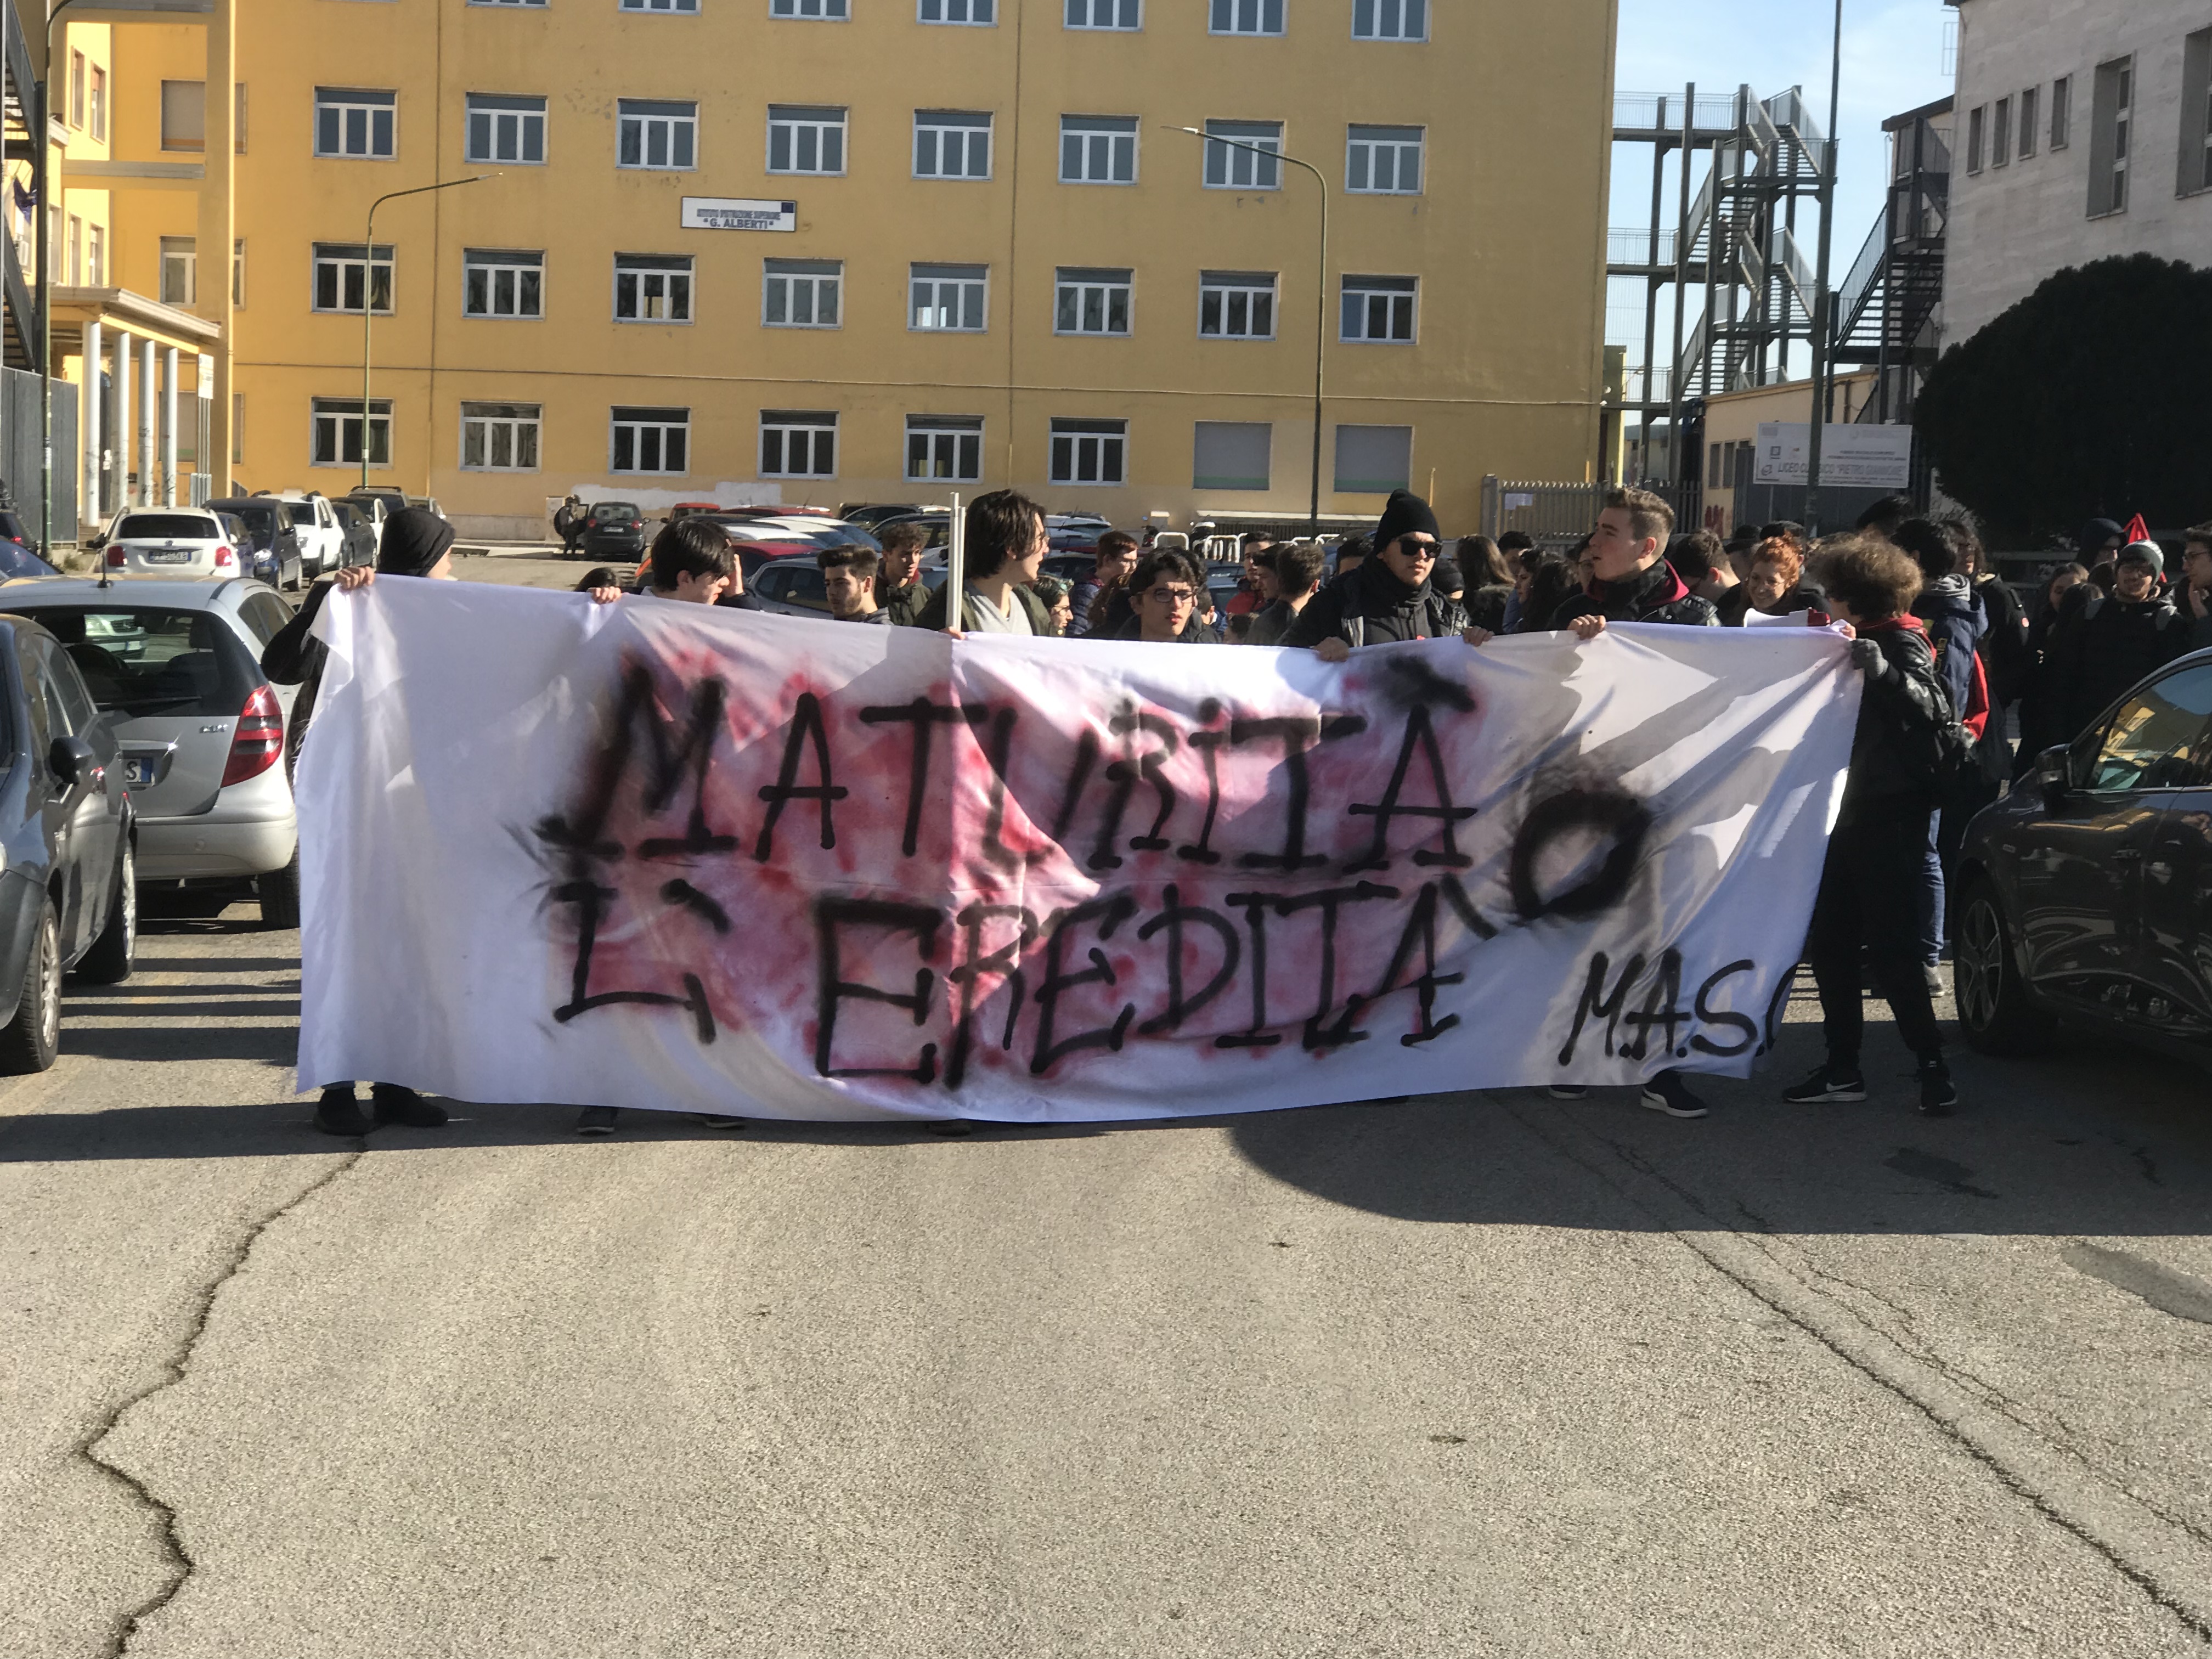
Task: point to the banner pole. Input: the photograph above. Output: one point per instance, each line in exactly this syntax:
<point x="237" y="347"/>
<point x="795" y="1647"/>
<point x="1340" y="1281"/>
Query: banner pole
<point x="956" y="568"/>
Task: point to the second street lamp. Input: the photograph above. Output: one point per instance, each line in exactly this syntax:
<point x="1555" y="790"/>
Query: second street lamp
<point x="1321" y="302"/>
<point x="369" y="296"/>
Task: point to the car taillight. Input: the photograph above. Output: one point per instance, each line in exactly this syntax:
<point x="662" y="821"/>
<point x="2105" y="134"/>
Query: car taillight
<point x="224" y="558"/>
<point x="115" y="558"/>
<point x="259" y="738"/>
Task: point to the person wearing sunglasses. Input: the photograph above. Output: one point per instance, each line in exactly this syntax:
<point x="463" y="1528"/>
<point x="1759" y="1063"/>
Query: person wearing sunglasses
<point x="1389" y="596"/>
<point x="1164" y="591"/>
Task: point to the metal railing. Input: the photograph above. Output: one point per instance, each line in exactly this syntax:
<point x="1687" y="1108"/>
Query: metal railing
<point x="1659" y="112"/>
<point x="1627" y="245"/>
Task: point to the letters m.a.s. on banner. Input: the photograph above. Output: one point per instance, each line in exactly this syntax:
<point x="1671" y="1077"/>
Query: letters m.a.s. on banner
<point x="670" y="856"/>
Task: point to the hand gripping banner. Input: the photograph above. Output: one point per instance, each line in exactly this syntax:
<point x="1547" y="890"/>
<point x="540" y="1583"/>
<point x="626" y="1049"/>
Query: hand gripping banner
<point x="670" y="856"/>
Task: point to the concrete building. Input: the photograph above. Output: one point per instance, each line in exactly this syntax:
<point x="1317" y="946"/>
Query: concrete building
<point x="2083" y="130"/>
<point x="915" y="245"/>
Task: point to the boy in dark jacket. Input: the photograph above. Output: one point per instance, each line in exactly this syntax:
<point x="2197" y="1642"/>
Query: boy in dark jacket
<point x="1164" y="594"/>
<point x="1386" y="597"/>
<point x="2101" y="645"/>
<point x="1951" y="614"/>
<point x="1630" y="582"/>
<point x="1869" y="883"/>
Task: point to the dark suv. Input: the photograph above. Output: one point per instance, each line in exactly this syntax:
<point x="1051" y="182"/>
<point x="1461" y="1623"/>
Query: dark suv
<point x="613" y="530"/>
<point x="276" y="557"/>
<point x="2088" y="892"/>
<point x="69" y="899"/>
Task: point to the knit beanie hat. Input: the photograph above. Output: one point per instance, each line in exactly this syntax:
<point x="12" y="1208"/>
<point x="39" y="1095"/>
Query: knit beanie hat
<point x="2149" y="553"/>
<point x="1404" y="513"/>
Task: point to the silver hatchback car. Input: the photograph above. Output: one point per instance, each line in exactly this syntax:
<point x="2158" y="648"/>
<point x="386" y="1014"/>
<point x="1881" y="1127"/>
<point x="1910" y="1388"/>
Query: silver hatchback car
<point x="177" y="666"/>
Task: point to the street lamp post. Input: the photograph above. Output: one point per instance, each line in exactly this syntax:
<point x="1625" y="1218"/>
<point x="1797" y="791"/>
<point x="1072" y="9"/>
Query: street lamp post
<point x="368" y="290"/>
<point x="1824" y="325"/>
<point x="1321" y="302"/>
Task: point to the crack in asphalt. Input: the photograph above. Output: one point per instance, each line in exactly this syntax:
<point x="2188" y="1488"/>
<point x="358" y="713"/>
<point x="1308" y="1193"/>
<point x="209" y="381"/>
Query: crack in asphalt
<point x="178" y="1560"/>
<point x="2172" y="1601"/>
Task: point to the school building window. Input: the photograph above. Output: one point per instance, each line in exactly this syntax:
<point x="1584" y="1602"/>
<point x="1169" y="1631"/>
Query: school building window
<point x="1231" y="454"/>
<point x="1089" y="451"/>
<point x="1098" y="150"/>
<point x="801" y="293"/>
<point x="656" y="135"/>
<point x="1383" y="161"/>
<point x="1091" y="301"/>
<point x="649" y="440"/>
<point x="952" y="143"/>
<point x="802" y="139"/>
<point x="507" y="129"/>
<point x="798" y="443"/>
<point x="1234" y="166"/>
<point x="944" y="448"/>
<point x="356" y="124"/>
<point x="1245" y="17"/>
<point x="503" y="282"/>
<point x="809" y="11"/>
<point x="1236" y="305"/>
<point x="946" y="298"/>
<point x="1374" y="461"/>
<point x="338" y="432"/>
<point x="1105" y="14"/>
<point x="1379" y="309"/>
<point x="499" y="437"/>
<point x="345" y="272"/>
<point x="975" y="12"/>
<point x="179" y="270"/>
<point x="652" y="287"/>
<point x="1389" y="20"/>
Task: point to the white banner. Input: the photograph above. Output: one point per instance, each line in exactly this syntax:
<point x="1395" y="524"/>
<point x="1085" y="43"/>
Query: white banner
<point x="1852" y="456"/>
<point x="669" y="856"/>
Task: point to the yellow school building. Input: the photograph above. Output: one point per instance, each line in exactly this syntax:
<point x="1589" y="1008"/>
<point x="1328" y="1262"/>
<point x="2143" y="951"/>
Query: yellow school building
<point x="825" y="252"/>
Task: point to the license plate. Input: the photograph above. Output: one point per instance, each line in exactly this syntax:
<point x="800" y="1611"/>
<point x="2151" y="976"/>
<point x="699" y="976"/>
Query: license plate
<point x="169" y="556"/>
<point x="139" y="773"/>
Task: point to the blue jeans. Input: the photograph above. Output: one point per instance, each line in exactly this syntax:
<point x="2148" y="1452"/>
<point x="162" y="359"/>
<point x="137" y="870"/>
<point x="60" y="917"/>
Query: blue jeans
<point x="1931" y="894"/>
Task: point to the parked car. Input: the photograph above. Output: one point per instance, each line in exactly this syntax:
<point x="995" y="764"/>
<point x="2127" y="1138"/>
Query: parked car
<point x="379" y="503"/>
<point x="938" y="524"/>
<point x="171" y="541"/>
<point x="2085" y="894"/>
<point x="18" y="557"/>
<point x="684" y="510"/>
<point x="613" y="530"/>
<point x="270" y="538"/>
<point x="794" y="587"/>
<point x="360" y="533"/>
<point x="69" y="899"/>
<point x="869" y="515"/>
<point x="1069" y="566"/>
<point x="322" y="538"/>
<point x="201" y="730"/>
<point x="427" y="503"/>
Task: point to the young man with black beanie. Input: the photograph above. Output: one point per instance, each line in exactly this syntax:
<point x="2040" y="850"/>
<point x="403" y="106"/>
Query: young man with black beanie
<point x="1386" y="597"/>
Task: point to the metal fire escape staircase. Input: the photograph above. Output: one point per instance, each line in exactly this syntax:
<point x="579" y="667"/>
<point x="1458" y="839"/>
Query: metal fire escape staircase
<point x="1886" y="310"/>
<point x="19" y="98"/>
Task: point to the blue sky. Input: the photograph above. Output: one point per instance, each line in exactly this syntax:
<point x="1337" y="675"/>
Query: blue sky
<point x="1893" y="60"/>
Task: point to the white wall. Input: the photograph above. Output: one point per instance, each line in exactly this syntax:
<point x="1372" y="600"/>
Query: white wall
<point x="2013" y="226"/>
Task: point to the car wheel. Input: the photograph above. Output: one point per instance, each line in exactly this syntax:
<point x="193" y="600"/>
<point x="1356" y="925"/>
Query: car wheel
<point x="280" y="895"/>
<point x="1994" y="1008"/>
<point x="29" y="1041"/>
<point x="109" y="961"/>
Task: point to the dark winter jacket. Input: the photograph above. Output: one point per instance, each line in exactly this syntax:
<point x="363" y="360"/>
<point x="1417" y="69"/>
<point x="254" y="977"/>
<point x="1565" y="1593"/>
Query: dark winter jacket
<point x="1104" y="618"/>
<point x="1486" y="606"/>
<point x="2099" y="647"/>
<point x="1897" y="710"/>
<point x="291" y="657"/>
<point x="1654" y="594"/>
<point x="2004" y="642"/>
<point x="1952" y="616"/>
<point x="1080" y="598"/>
<point x="1194" y="632"/>
<point x="932" y="612"/>
<point x="1368" y="606"/>
<point x="1270" y="625"/>
<point x="902" y="605"/>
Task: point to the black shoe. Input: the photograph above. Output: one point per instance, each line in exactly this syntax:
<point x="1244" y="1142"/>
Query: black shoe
<point x="1568" y="1091"/>
<point x="1668" y="1093"/>
<point x="596" y="1121"/>
<point x="337" y="1113"/>
<point x="1831" y="1084"/>
<point x="1939" y="1096"/>
<point x="718" y="1120"/>
<point x="398" y="1103"/>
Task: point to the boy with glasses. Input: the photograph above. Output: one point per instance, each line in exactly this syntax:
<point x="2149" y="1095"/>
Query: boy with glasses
<point x="1164" y="594"/>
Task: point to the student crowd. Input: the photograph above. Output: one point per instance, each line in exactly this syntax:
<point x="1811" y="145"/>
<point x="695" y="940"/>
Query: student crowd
<point x="1946" y="648"/>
